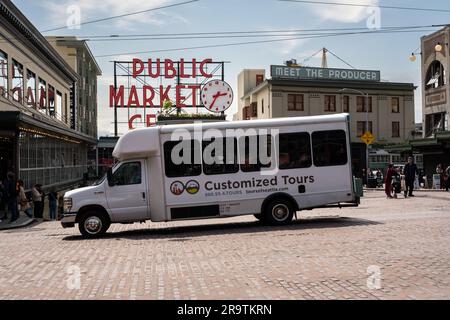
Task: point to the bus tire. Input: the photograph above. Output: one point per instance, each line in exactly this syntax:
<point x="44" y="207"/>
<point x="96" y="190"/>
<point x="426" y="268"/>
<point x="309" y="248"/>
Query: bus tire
<point x="259" y="216"/>
<point x="279" y="212"/>
<point x="93" y="224"/>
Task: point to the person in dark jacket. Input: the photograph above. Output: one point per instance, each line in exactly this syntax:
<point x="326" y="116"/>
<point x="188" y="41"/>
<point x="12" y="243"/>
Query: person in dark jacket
<point x="388" y="181"/>
<point x="53" y="204"/>
<point x="12" y="192"/>
<point x="409" y="171"/>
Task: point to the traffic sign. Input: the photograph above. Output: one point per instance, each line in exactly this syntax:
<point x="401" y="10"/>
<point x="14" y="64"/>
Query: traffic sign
<point x="368" y="138"/>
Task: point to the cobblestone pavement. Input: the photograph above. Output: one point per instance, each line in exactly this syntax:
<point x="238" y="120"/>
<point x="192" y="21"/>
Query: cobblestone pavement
<point x="407" y="240"/>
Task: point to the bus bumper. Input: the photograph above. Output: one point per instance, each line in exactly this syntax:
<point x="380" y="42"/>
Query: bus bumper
<point x="68" y="220"/>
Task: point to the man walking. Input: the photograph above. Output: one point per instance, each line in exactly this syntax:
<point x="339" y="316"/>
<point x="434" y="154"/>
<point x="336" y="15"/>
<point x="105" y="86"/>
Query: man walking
<point x="410" y="170"/>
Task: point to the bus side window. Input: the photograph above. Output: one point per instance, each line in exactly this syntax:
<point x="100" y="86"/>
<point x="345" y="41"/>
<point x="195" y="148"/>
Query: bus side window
<point x="295" y="150"/>
<point x="251" y="148"/>
<point x="218" y="160"/>
<point x="184" y="169"/>
<point x="329" y="148"/>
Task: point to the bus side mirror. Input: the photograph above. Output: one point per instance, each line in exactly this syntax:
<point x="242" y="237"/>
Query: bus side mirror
<point x="109" y="177"/>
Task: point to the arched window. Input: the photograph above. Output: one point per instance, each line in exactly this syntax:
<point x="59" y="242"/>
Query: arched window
<point x="435" y="76"/>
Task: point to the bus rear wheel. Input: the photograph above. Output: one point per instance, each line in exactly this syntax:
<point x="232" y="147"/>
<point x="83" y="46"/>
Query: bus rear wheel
<point x="279" y="212"/>
<point x="93" y="224"/>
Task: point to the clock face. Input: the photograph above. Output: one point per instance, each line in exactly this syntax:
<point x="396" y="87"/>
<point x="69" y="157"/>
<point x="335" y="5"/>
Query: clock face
<point x="217" y="96"/>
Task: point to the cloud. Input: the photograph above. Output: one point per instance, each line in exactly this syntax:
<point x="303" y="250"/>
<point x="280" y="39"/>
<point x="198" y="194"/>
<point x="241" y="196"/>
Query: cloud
<point x="347" y="14"/>
<point x="90" y="10"/>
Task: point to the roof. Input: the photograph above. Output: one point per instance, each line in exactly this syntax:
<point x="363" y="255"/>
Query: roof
<point x="319" y="83"/>
<point x="368" y="85"/>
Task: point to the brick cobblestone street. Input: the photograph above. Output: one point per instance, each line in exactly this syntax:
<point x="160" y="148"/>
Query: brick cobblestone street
<point x="315" y="258"/>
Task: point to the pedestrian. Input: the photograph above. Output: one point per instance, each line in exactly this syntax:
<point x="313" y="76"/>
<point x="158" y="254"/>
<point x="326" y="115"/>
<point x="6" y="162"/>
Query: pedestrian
<point x="12" y="193"/>
<point x="388" y="181"/>
<point x="43" y="199"/>
<point x="53" y="203"/>
<point x="23" y="200"/>
<point x="409" y="171"/>
<point x="396" y="182"/>
<point x="440" y="172"/>
<point x="37" y="201"/>
<point x="3" y="202"/>
<point x="447" y="178"/>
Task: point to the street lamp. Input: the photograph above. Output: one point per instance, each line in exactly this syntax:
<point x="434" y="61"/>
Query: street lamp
<point x="367" y="122"/>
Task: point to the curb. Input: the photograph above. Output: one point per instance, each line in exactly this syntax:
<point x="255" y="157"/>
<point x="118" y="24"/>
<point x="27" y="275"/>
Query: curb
<point x="16" y="226"/>
<point x="415" y="190"/>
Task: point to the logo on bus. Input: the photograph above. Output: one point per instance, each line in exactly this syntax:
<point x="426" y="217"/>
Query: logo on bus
<point x="192" y="187"/>
<point x="177" y="188"/>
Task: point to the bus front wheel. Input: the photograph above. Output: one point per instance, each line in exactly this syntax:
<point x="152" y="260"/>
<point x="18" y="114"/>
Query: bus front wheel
<point x="279" y="212"/>
<point x="259" y="216"/>
<point x="93" y="224"/>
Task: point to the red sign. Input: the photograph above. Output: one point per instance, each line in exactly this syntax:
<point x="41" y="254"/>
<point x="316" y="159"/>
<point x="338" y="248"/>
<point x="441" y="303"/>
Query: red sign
<point x="146" y="96"/>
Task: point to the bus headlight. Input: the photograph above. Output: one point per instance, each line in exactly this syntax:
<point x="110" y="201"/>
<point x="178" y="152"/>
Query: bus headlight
<point x="67" y="204"/>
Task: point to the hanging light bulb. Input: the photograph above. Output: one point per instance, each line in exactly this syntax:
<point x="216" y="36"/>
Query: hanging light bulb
<point x="413" y="57"/>
<point x="438" y="47"/>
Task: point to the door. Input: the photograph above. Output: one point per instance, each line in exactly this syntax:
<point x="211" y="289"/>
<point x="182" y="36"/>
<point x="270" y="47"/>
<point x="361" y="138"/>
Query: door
<point x="127" y="196"/>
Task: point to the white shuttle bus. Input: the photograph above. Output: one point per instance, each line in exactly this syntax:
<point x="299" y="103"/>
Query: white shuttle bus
<point x="267" y="168"/>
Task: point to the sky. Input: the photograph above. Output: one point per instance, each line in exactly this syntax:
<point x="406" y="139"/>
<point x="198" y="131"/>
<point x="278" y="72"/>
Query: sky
<point x="388" y="53"/>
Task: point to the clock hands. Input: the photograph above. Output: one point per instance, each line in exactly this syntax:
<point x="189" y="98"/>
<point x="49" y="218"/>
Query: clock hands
<point x="216" y="96"/>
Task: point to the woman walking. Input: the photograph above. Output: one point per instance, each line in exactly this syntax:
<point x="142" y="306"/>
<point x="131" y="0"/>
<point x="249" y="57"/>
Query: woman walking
<point x="37" y="201"/>
<point x="23" y="201"/>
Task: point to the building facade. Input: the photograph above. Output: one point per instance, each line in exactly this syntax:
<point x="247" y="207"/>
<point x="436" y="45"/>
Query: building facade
<point x="78" y="55"/>
<point x="435" y="65"/>
<point x="385" y="109"/>
<point x="37" y="107"/>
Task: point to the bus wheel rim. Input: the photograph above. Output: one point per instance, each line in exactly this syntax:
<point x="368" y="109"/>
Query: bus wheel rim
<point x="93" y="225"/>
<point x="280" y="212"/>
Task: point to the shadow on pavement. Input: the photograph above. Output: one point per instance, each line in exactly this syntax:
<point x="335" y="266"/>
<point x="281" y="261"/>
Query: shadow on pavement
<point x="184" y="233"/>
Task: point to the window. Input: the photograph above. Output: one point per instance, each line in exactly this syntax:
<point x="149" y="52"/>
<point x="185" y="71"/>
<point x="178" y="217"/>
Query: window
<point x="330" y="103"/>
<point x="329" y="148"/>
<point x="362" y="128"/>
<point x="295" y="150"/>
<point x="42" y="96"/>
<point x="128" y="174"/>
<point x="262" y="106"/>
<point x="59" y="105"/>
<point x="435" y="76"/>
<point x="395" y="129"/>
<point x="3" y="74"/>
<point x="17" y="81"/>
<point x="395" y="103"/>
<point x="220" y="156"/>
<point x="51" y="100"/>
<point x="361" y="103"/>
<point x="259" y="79"/>
<point x="31" y="89"/>
<point x="188" y="164"/>
<point x="345" y="104"/>
<point x="255" y="152"/>
<point x="295" y="102"/>
<point x="66" y="111"/>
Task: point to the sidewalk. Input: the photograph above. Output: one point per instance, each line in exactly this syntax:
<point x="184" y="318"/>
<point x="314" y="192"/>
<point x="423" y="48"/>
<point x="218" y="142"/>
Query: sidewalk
<point x="23" y="221"/>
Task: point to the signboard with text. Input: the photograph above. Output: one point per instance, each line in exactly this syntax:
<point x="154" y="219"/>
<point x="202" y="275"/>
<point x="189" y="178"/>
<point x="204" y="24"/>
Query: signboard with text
<point x="311" y="73"/>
